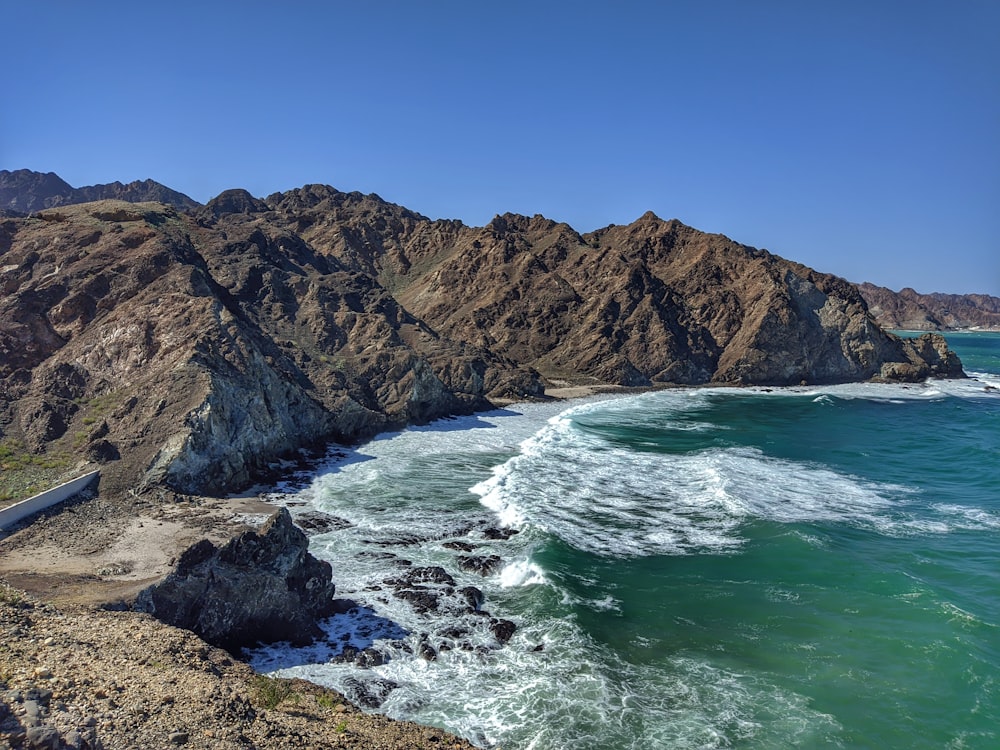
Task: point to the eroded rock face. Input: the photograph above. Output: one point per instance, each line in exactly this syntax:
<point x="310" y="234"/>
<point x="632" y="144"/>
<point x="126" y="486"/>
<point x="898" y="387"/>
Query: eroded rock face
<point x="24" y="190"/>
<point x="261" y="587"/>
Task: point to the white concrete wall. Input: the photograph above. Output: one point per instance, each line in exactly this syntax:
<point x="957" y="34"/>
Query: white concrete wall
<point x="14" y="513"/>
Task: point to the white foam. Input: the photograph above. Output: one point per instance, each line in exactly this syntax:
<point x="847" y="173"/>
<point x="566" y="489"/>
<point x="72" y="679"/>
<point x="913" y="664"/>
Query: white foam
<point x="522" y="573"/>
<point x="614" y="501"/>
<point x="539" y="472"/>
<point x="968" y="517"/>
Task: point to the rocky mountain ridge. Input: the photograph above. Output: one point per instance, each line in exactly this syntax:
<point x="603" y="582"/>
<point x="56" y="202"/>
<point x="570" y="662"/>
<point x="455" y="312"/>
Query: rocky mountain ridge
<point x="195" y="348"/>
<point x="908" y="309"/>
<point x="23" y="191"/>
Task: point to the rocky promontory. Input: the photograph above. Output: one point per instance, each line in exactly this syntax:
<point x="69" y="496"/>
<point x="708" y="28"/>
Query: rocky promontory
<point x="73" y="677"/>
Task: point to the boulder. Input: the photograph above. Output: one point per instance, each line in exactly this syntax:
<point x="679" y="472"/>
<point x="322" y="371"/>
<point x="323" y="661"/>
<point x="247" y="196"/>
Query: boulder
<point x="262" y="586"/>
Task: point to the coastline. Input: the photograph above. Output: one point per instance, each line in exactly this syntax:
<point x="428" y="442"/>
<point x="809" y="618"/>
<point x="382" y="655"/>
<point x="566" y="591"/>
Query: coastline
<point x="125" y="550"/>
<point x="71" y="592"/>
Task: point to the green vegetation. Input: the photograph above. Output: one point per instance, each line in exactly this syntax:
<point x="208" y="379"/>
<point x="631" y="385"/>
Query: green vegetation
<point x="10" y="596"/>
<point x="270" y="692"/>
<point x="23" y="473"/>
<point x="98" y="407"/>
<point x="327" y="700"/>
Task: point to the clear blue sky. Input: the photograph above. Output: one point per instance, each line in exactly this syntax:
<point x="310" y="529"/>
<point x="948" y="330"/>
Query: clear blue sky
<point x="861" y="138"/>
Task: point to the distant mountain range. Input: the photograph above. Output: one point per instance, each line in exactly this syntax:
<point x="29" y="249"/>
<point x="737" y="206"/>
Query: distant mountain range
<point x="910" y="310"/>
<point x="24" y="191"/>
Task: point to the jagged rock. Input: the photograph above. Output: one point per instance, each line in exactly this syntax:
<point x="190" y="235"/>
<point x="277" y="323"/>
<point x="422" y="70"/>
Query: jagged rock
<point x="472" y="596"/>
<point x="316" y="522"/>
<point x="502" y="534"/>
<point x="234" y="202"/>
<point x="503" y="629"/>
<point x="102" y="451"/>
<point x="261" y="587"/>
<point x="484" y="565"/>
<point x="369" y="693"/>
<point x="432" y="574"/>
<point x="421" y="599"/>
<point x="25" y="191"/>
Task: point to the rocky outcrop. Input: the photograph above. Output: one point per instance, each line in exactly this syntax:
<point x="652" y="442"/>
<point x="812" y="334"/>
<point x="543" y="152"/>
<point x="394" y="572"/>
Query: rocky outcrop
<point x="197" y="348"/>
<point x="929" y="356"/>
<point x="26" y="191"/>
<point x="262" y="586"/>
<point x="912" y="311"/>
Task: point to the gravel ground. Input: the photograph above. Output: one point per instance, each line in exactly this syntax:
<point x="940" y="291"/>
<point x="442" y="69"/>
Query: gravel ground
<point x="80" y="677"/>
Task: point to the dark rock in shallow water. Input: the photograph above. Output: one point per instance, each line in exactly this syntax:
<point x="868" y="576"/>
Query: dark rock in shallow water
<point x="460" y="546"/>
<point x="499" y="534"/>
<point x="315" y="522"/>
<point x="421" y="599"/>
<point x="369" y="658"/>
<point x="472" y="596"/>
<point x="420" y="575"/>
<point x="262" y="586"/>
<point x="426" y="651"/>
<point x="503" y="630"/>
<point x="369" y="693"/>
<point x="483" y="565"/>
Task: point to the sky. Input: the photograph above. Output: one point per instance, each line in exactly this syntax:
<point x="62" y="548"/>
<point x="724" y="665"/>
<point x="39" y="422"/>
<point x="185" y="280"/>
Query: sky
<point x="861" y="138"/>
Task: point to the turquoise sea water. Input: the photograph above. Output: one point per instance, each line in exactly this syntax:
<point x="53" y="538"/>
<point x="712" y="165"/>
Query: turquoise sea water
<point x="765" y="568"/>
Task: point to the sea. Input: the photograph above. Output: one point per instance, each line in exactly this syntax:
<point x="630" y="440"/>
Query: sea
<point x="814" y="567"/>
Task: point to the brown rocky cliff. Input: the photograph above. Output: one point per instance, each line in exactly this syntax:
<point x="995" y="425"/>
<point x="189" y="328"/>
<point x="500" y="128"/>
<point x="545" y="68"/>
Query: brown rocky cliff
<point x="654" y="301"/>
<point x="194" y="349"/>
<point x="25" y="191"/>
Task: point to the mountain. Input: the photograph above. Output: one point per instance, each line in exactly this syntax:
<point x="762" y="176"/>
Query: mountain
<point x="25" y="191"/>
<point x="910" y="310"/>
<point x="193" y="349"/>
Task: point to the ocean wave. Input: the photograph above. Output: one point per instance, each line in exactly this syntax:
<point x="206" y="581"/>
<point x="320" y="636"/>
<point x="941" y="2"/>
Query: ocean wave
<point x="610" y="500"/>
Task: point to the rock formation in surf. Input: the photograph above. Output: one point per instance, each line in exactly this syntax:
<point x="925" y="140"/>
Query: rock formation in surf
<point x="260" y="587"/>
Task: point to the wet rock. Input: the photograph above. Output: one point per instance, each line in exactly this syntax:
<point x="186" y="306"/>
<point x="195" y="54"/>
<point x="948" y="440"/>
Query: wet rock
<point x="472" y="596"/>
<point x="496" y="533"/>
<point x="315" y="522"/>
<point x="421" y="599"/>
<point x="369" y="693"/>
<point x="483" y="565"/>
<point x="460" y="546"/>
<point x="368" y="658"/>
<point x="503" y="630"/>
<point x="426" y="651"/>
<point x="421" y="575"/>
